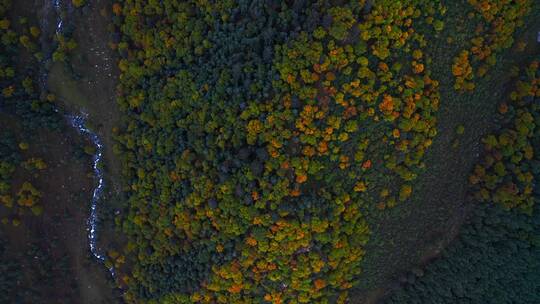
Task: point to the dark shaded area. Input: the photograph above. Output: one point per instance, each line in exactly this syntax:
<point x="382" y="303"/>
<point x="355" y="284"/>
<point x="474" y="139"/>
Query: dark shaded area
<point x="496" y="257"/>
<point x="412" y="234"/>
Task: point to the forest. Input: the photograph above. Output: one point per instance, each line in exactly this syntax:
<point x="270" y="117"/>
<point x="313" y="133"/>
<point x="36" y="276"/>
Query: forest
<point x="497" y="254"/>
<point x="264" y="151"/>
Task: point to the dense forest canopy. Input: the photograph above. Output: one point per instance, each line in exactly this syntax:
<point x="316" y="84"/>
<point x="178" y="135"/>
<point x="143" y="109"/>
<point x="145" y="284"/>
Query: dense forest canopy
<point x="497" y="255"/>
<point x="260" y="133"/>
<point x="259" y="138"/>
<point x="255" y="132"/>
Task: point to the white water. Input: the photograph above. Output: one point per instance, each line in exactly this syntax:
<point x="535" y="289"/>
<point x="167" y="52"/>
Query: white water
<point x="79" y="123"/>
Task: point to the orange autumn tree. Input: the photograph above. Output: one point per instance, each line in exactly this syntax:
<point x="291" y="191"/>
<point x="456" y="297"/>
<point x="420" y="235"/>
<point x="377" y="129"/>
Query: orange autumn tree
<point x="499" y="20"/>
<point x="249" y="177"/>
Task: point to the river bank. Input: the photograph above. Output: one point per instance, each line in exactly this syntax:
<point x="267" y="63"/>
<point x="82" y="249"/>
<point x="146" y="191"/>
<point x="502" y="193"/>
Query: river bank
<point x="57" y="240"/>
<point x="86" y="84"/>
<point x="70" y="189"/>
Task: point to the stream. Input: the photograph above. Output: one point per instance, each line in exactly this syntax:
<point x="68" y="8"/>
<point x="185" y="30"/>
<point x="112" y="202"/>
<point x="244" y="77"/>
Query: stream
<point x="78" y="122"/>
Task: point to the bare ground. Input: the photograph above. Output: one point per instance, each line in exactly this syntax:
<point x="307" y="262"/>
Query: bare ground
<point x="68" y="182"/>
<point x="88" y="85"/>
<point x="60" y="231"/>
<point x="91" y="86"/>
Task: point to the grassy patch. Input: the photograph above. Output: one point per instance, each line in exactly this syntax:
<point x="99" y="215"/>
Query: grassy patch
<point x="67" y="89"/>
